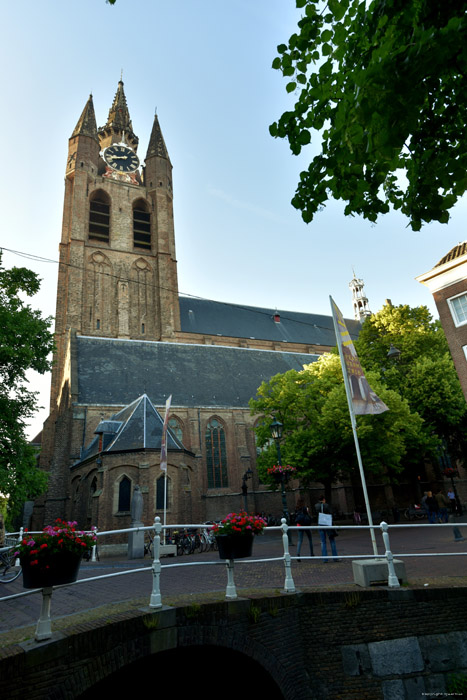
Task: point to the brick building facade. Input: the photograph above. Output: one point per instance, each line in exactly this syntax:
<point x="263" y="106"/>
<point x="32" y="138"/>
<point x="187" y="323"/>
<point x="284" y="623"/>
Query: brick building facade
<point x="124" y="337"/>
<point x="447" y="281"/>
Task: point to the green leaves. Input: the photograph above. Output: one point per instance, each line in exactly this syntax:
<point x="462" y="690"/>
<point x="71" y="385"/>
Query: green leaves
<point x="25" y="343"/>
<point x="388" y="78"/>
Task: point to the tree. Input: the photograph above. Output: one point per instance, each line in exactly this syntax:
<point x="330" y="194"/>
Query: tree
<point x="317" y="433"/>
<point x="383" y="85"/>
<point x="25" y="343"/>
<point x="424" y="374"/>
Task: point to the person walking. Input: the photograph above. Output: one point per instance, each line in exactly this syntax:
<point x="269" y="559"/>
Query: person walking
<point x="433" y="508"/>
<point x="443" y="504"/>
<point x="323" y="508"/>
<point x="303" y="518"/>
<point x="452" y="501"/>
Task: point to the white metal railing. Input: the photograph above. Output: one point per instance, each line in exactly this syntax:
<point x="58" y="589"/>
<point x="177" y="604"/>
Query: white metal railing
<point x="44" y="625"/>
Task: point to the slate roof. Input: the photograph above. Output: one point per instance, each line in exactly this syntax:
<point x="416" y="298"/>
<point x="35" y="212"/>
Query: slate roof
<point x="219" y="318"/>
<point x="113" y="372"/>
<point x="137" y="426"/>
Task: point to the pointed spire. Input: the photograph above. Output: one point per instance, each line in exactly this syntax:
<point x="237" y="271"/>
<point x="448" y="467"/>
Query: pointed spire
<point x="157" y="145"/>
<point x="118" y="121"/>
<point x="87" y="125"/>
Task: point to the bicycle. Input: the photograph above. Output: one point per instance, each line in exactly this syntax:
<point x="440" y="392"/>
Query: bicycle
<point x="8" y="570"/>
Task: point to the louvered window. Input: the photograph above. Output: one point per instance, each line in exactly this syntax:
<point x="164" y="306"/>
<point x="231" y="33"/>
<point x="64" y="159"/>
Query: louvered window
<point x="141" y="229"/>
<point x="99" y="220"/>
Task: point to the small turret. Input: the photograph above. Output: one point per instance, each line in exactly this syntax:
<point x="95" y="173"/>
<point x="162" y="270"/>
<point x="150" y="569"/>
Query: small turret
<point x="360" y="302"/>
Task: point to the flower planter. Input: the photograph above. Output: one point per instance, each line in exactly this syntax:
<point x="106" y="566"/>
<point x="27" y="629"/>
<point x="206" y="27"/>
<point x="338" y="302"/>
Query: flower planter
<point x="235" y="546"/>
<point x="58" y="569"/>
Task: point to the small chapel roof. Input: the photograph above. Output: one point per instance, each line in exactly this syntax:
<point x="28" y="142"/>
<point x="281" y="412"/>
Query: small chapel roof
<point x="112" y="371"/>
<point x="137" y="426"/>
<point x="235" y="321"/>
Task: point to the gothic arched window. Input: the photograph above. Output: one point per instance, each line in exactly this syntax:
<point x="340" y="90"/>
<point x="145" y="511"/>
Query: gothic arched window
<point x="141" y="225"/>
<point x="124" y="495"/>
<point x="216" y="455"/>
<point x="99" y="217"/>
<point x="176" y="428"/>
<point x="160" y="487"/>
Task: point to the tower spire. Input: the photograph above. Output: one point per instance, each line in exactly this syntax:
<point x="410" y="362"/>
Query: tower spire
<point x="157" y="145"/>
<point x="360" y="301"/>
<point x="87" y="125"/>
<point x="118" y="121"/>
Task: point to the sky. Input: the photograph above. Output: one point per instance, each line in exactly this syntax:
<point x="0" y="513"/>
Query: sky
<point x="205" y="66"/>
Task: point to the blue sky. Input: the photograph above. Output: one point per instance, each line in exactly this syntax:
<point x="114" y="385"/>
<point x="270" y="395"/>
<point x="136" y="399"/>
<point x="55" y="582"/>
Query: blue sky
<point x="206" y="66"/>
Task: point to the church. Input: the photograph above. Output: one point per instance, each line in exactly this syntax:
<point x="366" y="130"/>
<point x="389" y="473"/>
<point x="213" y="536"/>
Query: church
<point x="126" y="340"/>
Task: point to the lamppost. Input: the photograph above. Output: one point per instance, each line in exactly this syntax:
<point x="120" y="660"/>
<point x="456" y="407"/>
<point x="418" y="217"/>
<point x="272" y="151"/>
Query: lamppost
<point x="276" y="432"/>
<point x="247" y="475"/>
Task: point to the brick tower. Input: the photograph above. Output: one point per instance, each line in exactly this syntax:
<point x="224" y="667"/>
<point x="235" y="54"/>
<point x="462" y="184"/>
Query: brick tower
<point x="118" y="270"/>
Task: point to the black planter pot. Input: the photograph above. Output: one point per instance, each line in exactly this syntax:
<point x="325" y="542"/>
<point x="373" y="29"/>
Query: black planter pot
<point x="234" y="546"/>
<point x="58" y="569"/>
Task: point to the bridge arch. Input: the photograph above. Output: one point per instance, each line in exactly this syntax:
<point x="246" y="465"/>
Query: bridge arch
<point x="215" y="671"/>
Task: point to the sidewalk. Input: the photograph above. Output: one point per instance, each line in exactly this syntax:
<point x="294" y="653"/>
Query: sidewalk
<point x="187" y="582"/>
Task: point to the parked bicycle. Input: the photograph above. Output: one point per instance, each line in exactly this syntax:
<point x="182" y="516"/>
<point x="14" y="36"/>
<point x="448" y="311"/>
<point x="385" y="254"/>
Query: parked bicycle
<point x="414" y="512"/>
<point x="9" y="571"/>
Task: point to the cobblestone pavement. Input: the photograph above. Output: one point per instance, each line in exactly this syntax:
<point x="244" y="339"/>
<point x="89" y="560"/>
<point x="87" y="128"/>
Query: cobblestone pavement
<point x="250" y="574"/>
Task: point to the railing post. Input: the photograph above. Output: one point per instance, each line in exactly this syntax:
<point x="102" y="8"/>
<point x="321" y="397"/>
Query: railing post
<point x="20" y="537"/>
<point x="393" y="581"/>
<point x="289" y="585"/>
<point x="94" y="548"/>
<point x="230" y="591"/>
<point x="44" y="625"/>
<point x="156" y="600"/>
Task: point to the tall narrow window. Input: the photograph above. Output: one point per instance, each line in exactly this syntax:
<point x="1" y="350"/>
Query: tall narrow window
<point x="216" y="455"/>
<point x="176" y="428"/>
<point x="99" y="218"/>
<point x="124" y="495"/>
<point x="141" y="226"/>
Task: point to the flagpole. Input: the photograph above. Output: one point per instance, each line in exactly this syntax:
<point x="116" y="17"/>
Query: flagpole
<point x="163" y="460"/>
<point x="353" y="423"/>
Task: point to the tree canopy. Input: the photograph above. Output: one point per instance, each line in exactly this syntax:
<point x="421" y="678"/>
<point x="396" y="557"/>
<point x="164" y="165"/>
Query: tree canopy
<point x="317" y="433"/>
<point x="382" y="85"/>
<point x="25" y="343"/>
<point x="421" y="390"/>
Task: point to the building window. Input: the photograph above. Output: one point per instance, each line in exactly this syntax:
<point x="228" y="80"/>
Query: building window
<point x="458" y="307"/>
<point x="99" y="218"/>
<point x="160" y="488"/>
<point x="141" y="226"/>
<point x="216" y="455"/>
<point x="124" y="495"/>
<point x="176" y="428"/>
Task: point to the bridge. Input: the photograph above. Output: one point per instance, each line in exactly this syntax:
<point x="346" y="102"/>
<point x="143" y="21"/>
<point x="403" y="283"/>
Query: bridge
<point x="327" y="639"/>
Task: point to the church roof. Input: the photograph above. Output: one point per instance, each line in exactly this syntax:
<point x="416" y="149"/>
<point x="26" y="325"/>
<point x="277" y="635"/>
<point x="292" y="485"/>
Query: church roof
<point x="137" y="426"/>
<point x="113" y="372"/>
<point x="219" y="318"/>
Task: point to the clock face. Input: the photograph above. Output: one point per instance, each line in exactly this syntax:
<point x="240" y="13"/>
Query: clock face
<point x="121" y="158"/>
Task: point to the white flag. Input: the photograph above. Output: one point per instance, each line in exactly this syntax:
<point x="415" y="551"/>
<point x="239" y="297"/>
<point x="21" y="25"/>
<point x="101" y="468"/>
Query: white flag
<point x="164" y="435"/>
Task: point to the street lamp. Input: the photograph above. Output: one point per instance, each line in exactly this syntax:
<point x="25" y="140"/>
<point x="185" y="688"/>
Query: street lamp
<point x="276" y="433"/>
<point x="393" y="353"/>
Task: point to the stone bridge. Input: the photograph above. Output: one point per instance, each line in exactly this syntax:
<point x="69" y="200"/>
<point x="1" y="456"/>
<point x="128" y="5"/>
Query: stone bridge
<point x="368" y="644"/>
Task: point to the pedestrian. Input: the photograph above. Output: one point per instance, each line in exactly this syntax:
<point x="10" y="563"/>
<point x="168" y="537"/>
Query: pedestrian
<point x="452" y="500"/>
<point x="323" y="508"/>
<point x="423" y="502"/>
<point x="433" y="508"/>
<point x="443" y="504"/>
<point x="303" y="518"/>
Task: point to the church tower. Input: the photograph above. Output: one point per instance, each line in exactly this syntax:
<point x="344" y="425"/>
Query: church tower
<point x="117" y="250"/>
<point x="361" y="308"/>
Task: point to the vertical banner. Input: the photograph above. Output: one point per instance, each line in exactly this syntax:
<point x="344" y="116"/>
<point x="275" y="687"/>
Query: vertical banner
<point x="363" y="398"/>
<point x="164" y="435"/>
